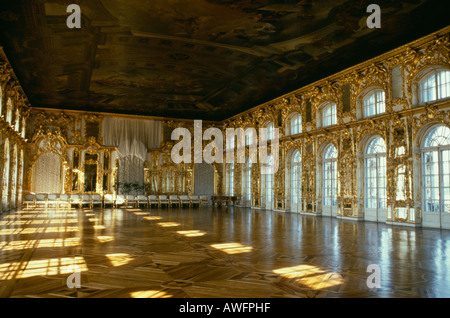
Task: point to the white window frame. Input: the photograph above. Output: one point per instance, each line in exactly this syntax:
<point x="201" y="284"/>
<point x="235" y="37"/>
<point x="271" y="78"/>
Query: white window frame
<point x="377" y="172"/>
<point x="295" y="124"/>
<point x="329" y="177"/>
<point x="435" y="184"/>
<point x="296" y="177"/>
<point x="331" y="118"/>
<point x="230" y="179"/>
<point x="379" y="103"/>
<point x="433" y="82"/>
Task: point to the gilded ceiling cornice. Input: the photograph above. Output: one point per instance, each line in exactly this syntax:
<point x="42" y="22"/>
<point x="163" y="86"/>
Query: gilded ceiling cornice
<point x="374" y="63"/>
<point x="168" y="120"/>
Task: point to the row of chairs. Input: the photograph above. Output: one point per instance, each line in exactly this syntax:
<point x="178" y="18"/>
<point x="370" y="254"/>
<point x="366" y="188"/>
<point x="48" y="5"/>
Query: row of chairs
<point x="91" y="200"/>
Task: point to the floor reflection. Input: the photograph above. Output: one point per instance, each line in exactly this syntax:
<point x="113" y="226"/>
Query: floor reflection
<point x="226" y="252"/>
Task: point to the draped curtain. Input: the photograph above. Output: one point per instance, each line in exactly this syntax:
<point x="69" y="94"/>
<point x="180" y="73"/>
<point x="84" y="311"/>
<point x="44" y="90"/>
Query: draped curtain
<point x="48" y="174"/>
<point x="131" y="137"/>
<point x="131" y="170"/>
<point x="203" y="179"/>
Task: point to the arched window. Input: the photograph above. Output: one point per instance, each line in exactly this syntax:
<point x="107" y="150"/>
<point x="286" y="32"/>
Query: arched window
<point x="436" y="170"/>
<point x="329" y="115"/>
<point x="294" y="124"/>
<point x="230" y="179"/>
<point x="329" y="165"/>
<point x="296" y="179"/>
<point x="435" y="86"/>
<point x="374" y="103"/>
<point x="375" y="174"/>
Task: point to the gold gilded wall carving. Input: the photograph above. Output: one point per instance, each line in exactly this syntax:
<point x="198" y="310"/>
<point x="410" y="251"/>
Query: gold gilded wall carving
<point x="401" y="126"/>
<point x="14" y="112"/>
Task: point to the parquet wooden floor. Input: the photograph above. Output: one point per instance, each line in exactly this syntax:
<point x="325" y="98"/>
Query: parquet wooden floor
<point x="215" y="252"/>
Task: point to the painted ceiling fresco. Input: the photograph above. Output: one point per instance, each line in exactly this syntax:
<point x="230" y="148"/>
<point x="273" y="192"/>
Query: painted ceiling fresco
<point x="205" y="59"/>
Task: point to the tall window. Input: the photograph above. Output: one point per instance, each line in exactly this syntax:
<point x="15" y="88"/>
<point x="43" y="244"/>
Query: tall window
<point x="6" y="169"/>
<point x="9" y="108"/>
<point x="267" y="180"/>
<point x="295" y="125"/>
<point x="249" y="138"/>
<point x="247" y="177"/>
<point x="375" y="174"/>
<point x="436" y="170"/>
<point x="296" y="178"/>
<point x="17" y="123"/>
<point x="1" y="101"/>
<point x="435" y="86"/>
<point x="374" y="103"/>
<point x="230" y="179"/>
<point x="23" y="127"/>
<point x="329" y="115"/>
<point x="330" y="176"/>
<point x="270" y="134"/>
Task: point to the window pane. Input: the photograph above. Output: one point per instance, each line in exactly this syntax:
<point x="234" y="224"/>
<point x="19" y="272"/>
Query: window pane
<point x="329" y="115"/>
<point x="443" y="83"/>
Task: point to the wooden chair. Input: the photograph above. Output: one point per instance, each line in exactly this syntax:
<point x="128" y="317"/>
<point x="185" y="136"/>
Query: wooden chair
<point x="108" y="199"/>
<point x="86" y="200"/>
<point x="195" y="199"/>
<point x="75" y="199"/>
<point x="184" y="199"/>
<point x="142" y="199"/>
<point x="153" y="199"/>
<point x="53" y="200"/>
<point x="30" y="199"/>
<point x="64" y="201"/>
<point x="96" y="199"/>
<point x="41" y="200"/>
<point x="120" y="200"/>
<point x="204" y="200"/>
<point x="131" y="199"/>
<point x="163" y="199"/>
<point x="173" y="199"/>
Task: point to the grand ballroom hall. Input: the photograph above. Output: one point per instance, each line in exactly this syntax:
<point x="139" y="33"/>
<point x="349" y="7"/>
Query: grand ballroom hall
<point x="329" y="134"/>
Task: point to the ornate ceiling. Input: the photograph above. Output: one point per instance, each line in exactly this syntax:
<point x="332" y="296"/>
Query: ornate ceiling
<point x="205" y="59"/>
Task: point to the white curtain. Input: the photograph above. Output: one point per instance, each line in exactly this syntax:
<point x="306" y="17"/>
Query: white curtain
<point x="131" y="137"/>
<point x="48" y="174"/>
<point x="131" y="170"/>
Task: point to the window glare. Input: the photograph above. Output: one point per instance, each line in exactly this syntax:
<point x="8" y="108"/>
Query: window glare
<point x="296" y="125"/>
<point x="374" y="103"/>
<point x="329" y="115"/>
<point x="435" y="86"/>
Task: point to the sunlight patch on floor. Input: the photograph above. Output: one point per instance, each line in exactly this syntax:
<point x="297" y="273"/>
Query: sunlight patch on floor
<point x="311" y="276"/>
<point x="233" y="248"/>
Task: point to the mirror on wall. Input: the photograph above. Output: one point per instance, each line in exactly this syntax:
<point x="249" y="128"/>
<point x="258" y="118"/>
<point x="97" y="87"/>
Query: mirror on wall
<point x="90" y="177"/>
<point x="92" y="129"/>
<point x="76" y="159"/>
<point x="75" y="183"/>
<point x="90" y="172"/>
<point x="105" y="182"/>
